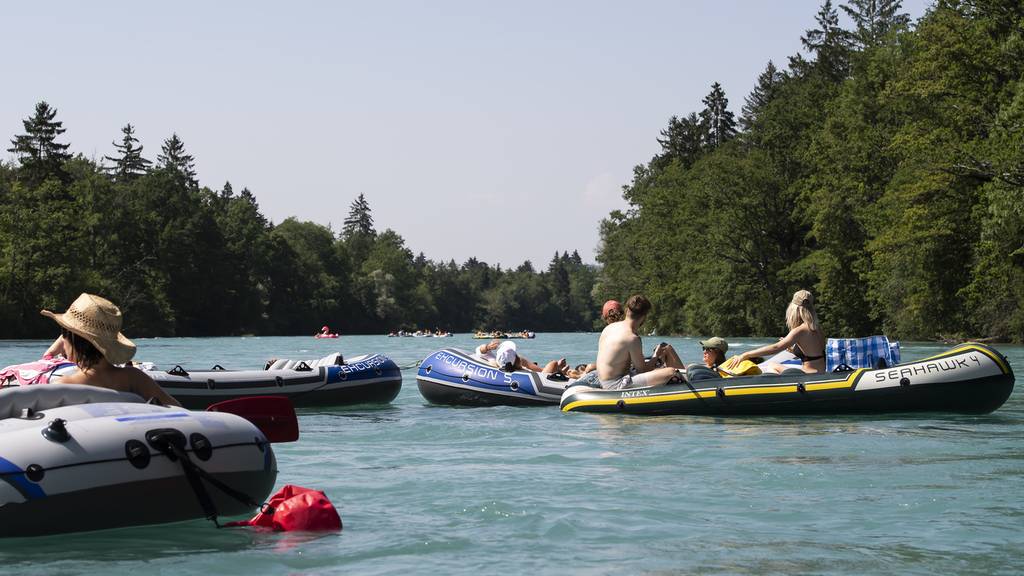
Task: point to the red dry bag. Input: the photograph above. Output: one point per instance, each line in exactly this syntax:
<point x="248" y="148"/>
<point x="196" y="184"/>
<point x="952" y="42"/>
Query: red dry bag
<point x="296" y="508"/>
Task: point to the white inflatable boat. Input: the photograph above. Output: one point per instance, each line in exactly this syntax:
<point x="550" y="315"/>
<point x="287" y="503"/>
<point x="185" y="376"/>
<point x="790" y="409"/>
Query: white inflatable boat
<point x="77" y="458"/>
<point x="329" y="381"/>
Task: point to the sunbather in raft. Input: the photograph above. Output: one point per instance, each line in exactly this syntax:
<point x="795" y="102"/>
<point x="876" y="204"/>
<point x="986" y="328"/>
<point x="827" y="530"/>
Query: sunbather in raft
<point x="495" y="374"/>
<point x="972" y="378"/>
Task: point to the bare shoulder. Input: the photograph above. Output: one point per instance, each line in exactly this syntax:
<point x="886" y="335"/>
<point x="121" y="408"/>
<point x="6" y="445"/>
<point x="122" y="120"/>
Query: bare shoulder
<point x="135" y="372"/>
<point x="798" y="334"/>
<point x="133" y="375"/>
<point x="619" y="331"/>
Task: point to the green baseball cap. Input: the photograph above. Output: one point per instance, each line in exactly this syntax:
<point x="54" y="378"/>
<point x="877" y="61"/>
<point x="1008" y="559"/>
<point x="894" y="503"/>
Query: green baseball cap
<point x="716" y="343"/>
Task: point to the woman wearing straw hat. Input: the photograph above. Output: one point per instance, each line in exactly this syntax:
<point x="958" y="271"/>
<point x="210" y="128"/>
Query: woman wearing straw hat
<point x="805" y="340"/>
<point x="91" y="338"/>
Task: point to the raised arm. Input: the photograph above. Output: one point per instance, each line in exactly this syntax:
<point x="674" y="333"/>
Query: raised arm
<point x="55" y="349"/>
<point x="786" y="341"/>
<point x="488" y="347"/>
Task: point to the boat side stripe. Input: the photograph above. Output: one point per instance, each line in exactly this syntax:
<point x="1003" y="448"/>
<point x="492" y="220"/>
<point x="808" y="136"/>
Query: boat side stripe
<point x="152" y="417"/>
<point x="966" y="348"/>
<point x="735" y="391"/>
<point x="552" y="399"/>
<point x="16" y="470"/>
<point x="15" y="476"/>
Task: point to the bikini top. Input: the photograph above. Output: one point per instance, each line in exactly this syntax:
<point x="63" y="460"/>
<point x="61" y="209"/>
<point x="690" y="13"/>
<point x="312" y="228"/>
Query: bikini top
<point x="800" y="354"/>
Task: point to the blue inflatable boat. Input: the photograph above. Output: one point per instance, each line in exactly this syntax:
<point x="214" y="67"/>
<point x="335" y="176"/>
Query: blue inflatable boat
<point x="454" y="377"/>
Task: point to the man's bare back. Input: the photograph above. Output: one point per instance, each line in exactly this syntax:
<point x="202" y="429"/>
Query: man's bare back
<point x="619" y="350"/>
<point x="616" y="348"/>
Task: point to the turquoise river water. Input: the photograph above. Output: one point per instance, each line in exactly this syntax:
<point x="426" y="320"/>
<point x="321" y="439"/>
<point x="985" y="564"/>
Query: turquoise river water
<point x="441" y="490"/>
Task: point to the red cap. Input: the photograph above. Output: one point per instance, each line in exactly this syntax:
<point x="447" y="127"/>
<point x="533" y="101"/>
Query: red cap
<point x="609" y="306"/>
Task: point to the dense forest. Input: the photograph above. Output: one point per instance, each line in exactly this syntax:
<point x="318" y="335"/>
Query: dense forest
<point x="882" y="168"/>
<point x="185" y="260"/>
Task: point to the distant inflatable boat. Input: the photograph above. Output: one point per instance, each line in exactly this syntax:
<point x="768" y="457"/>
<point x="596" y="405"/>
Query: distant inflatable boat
<point x="504" y="335"/>
<point x="971" y="379"/>
<point x="77" y="458"/>
<point x="454" y="377"/>
<point x="329" y="381"/>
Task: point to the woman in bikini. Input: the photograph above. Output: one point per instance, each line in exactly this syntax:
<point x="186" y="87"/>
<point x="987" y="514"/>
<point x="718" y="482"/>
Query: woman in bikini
<point x="805" y="339"/>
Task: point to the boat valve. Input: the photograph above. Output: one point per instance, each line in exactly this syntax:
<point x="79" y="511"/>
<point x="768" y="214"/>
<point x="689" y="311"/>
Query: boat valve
<point x="56" y="431"/>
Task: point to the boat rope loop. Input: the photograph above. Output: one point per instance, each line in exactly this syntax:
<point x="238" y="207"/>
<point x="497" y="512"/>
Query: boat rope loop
<point x="171" y="443"/>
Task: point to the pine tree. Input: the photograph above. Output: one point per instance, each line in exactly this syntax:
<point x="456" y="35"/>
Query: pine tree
<point x="718" y="121"/>
<point x="40" y="155"/>
<point x="130" y="164"/>
<point x="828" y="43"/>
<point x="682" y="140"/>
<point x="874" y="19"/>
<point x="359" y="220"/>
<point x="173" y="157"/>
<point x="767" y="86"/>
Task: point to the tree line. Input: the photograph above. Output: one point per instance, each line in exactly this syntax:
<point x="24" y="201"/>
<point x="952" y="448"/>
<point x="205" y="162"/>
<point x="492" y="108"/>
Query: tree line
<point x="882" y="168"/>
<point x="182" y="259"/>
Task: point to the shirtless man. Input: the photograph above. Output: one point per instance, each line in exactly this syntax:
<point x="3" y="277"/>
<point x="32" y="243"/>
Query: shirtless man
<point x="620" y="349"/>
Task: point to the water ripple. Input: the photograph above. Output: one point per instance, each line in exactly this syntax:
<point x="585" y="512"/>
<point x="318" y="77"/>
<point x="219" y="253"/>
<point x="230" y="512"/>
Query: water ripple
<point x="427" y="489"/>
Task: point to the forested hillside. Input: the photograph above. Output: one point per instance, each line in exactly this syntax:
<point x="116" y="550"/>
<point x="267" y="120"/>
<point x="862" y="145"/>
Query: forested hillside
<point x="883" y="169"/>
<point x="185" y="260"/>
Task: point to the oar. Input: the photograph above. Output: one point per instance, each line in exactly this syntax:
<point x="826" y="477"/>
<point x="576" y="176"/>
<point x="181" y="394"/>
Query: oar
<point x="273" y="415"/>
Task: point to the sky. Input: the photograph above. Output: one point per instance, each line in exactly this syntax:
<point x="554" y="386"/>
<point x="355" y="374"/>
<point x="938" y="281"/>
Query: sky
<point x="501" y="131"/>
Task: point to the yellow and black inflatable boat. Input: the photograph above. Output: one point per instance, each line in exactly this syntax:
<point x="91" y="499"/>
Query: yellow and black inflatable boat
<point x="970" y="378"/>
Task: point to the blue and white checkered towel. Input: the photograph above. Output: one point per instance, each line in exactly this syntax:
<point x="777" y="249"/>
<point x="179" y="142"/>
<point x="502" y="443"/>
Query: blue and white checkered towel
<point x="861" y="352"/>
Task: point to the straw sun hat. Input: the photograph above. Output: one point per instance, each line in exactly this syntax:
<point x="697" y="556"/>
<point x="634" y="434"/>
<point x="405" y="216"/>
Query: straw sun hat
<point x="97" y="320"/>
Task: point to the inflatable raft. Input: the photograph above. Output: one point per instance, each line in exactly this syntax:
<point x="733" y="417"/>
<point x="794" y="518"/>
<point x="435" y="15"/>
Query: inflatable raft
<point x="75" y="458"/>
<point x="329" y="381"/>
<point x="972" y="379"/>
<point x="454" y="377"/>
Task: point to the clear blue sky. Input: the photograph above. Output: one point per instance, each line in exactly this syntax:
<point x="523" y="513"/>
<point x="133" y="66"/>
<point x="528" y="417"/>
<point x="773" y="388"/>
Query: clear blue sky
<point x="501" y="131"/>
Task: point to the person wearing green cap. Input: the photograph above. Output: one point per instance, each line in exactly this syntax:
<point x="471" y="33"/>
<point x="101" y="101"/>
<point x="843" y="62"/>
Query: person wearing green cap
<point x="714" y="350"/>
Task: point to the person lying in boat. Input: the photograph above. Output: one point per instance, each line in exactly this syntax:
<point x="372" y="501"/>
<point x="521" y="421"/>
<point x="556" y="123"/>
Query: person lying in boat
<point x="805" y="339"/>
<point x="714" y="350"/>
<point x="579" y="371"/>
<point x="504" y="356"/>
<point x="91" y="338"/>
<point x="620" y="355"/>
